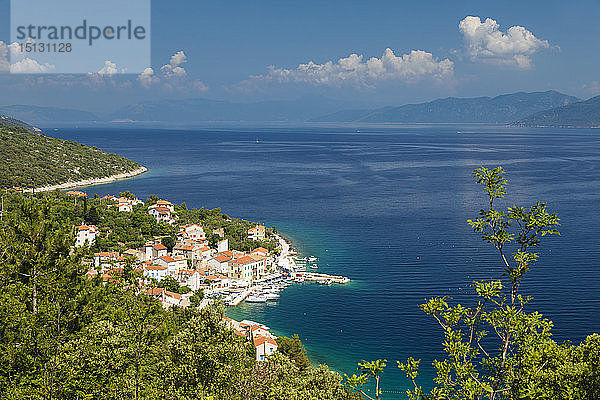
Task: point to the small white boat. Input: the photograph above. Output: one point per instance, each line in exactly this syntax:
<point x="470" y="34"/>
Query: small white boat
<point x="271" y="295"/>
<point x="256" y="298"/>
<point x="303" y="259"/>
<point x="324" y="282"/>
<point x="314" y="266"/>
<point x="312" y="259"/>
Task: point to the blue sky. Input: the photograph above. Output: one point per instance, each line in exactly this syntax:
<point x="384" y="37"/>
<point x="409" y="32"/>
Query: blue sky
<point x="224" y="44"/>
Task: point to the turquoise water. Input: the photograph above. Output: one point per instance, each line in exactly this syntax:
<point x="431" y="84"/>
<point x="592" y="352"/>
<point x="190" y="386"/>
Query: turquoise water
<point x="386" y="207"/>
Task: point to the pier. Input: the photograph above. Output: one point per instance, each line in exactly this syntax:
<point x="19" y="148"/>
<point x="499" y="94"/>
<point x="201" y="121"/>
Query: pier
<point x="316" y="277"/>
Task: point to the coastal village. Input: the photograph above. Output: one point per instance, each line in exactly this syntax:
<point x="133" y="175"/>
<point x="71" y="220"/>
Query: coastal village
<point x="218" y="271"/>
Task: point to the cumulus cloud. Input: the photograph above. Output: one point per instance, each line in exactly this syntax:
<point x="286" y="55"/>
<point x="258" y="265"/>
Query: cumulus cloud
<point x="172" y="76"/>
<point x="173" y="69"/>
<point x="147" y="78"/>
<point x="354" y="71"/>
<point x="487" y="43"/>
<point x="13" y="60"/>
<point x="109" y="69"/>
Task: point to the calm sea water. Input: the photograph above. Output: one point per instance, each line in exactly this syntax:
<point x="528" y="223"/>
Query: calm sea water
<point x="388" y="208"/>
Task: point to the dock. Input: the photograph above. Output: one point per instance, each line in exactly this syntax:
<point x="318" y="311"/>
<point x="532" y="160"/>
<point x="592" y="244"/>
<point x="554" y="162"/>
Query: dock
<point x="239" y="298"/>
<point x="316" y="277"/>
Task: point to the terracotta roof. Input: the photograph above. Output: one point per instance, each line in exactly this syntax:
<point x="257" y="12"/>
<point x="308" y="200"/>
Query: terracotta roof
<point x="260" y="249"/>
<point x="259" y="340"/>
<point x="243" y="260"/>
<point x="204" y="248"/>
<point x="167" y="258"/>
<point x="155" y="267"/>
<point x="186" y="247"/>
<point x="172" y="294"/>
<point x="160" y="246"/>
<point x="222" y="258"/>
<point x="162" y="210"/>
<point x="164" y="202"/>
<point x="256" y="327"/>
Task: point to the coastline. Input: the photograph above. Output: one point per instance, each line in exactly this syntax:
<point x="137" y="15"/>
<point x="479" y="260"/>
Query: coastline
<point x="90" y="182"/>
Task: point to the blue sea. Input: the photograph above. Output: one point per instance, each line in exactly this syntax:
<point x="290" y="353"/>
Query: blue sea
<point x="386" y="206"/>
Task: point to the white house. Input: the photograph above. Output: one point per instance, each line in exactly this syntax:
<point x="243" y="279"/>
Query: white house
<point x="193" y="231"/>
<point x="220" y="262"/>
<point x="125" y="207"/>
<point x="157" y="272"/>
<point x="265" y="346"/>
<point x="161" y="214"/>
<point x="260" y="251"/>
<point x="86" y="234"/>
<point x="173" y="264"/>
<point x="166" y="204"/>
<point x="257" y="233"/>
<point x="223" y="245"/>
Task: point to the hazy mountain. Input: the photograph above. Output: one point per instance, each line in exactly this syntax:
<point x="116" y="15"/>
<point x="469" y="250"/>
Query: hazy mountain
<point x="581" y="114"/>
<point x="39" y="115"/>
<point x="499" y="109"/>
<point x="197" y="110"/>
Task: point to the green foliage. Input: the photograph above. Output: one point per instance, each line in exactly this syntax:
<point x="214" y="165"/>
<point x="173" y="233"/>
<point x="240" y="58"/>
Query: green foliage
<point x="64" y="336"/>
<point x="172" y="285"/>
<point x="32" y="160"/>
<point x="294" y="349"/>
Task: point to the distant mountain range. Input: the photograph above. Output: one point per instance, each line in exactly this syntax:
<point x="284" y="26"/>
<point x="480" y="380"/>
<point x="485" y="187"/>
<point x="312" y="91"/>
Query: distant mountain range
<point x="499" y="109"/>
<point x="205" y="110"/>
<point x="548" y="108"/>
<point x="582" y="114"/>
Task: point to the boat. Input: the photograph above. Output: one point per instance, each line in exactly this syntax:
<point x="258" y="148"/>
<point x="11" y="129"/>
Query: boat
<point x="314" y="266"/>
<point x="312" y="259"/>
<point x="256" y="298"/>
<point x="271" y="295"/>
<point x="303" y="259"/>
<point x="324" y="282"/>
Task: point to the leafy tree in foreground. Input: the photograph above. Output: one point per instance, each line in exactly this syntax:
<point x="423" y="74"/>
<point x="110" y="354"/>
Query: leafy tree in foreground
<point x="496" y="349"/>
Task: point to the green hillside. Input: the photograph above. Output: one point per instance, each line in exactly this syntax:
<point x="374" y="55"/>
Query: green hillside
<point x="34" y="160"/>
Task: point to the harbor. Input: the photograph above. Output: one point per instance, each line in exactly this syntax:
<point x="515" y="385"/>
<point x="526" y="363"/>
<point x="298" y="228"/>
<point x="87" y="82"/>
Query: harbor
<point x="290" y="269"/>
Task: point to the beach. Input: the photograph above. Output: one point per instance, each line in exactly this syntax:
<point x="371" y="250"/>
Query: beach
<point x="90" y="182"/>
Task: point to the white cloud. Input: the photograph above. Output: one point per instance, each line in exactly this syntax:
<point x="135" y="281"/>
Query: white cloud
<point x="13" y="60"/>
<point x="147" y="78"/>
<point x="109" y="69"/>
<point x="172" y="76"/>
<point x="352" y="70"/>
<point x="487" y="43"/>
<point x="173" y="69"/>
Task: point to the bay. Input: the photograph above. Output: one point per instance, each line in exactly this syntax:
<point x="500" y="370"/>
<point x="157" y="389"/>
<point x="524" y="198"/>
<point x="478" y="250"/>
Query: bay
<point x="388" y="208"/>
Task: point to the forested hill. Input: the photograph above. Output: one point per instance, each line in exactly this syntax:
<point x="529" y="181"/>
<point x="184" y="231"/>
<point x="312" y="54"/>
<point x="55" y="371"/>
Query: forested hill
<point x="32" y="160"/>
<point x="581" y="114"/>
